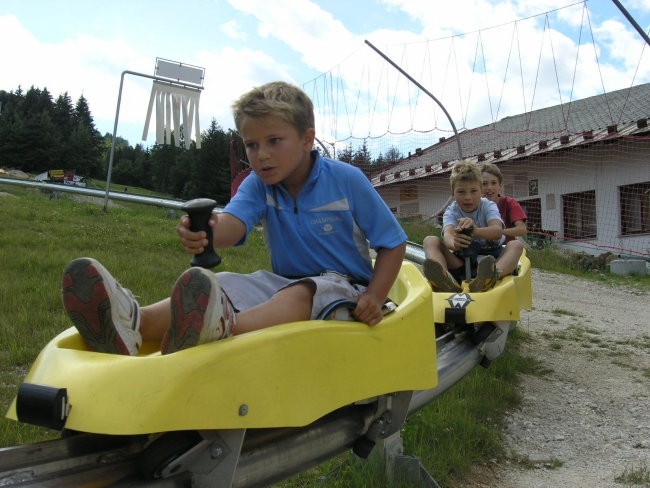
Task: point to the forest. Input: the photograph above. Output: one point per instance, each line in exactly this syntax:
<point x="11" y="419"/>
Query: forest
<point x="39" y="133"/>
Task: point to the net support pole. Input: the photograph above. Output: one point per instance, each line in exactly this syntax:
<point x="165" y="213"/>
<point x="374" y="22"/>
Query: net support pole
<point x="416" y="83"/>
<point x="632" y="21"/>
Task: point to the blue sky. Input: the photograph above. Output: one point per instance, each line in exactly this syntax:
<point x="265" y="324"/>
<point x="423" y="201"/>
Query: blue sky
<point x="500" y="67"/>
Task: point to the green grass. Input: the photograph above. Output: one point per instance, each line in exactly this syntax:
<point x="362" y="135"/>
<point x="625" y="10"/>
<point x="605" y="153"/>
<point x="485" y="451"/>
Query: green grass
<point x="417" y="230"/>
<point x="41" y="235"/>
<point x="138" y="243"/>
<point x="632" y="476"/>
<point x="463" y="426"/>
<point x="550" y="258"/>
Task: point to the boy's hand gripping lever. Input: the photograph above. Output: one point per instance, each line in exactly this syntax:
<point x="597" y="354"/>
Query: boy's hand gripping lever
<point x="467" y="254"/>
<point x="199" y="211"/>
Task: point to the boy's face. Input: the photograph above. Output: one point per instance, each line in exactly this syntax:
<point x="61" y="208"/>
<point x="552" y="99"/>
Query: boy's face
<point x="276" y="151"/>
<point x="468" y="195"/>
<point x="491" y="187"/>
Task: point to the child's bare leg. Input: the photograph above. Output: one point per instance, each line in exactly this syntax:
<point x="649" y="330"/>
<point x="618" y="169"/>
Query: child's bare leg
<point x="155" y="320"/>
<point x="291" y="304"/>
<point x="436" y="265"/>
<point x="435" y="250"/>
<point x="509" y="259"/>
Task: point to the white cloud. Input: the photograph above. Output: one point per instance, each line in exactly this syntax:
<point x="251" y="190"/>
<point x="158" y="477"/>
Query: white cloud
<point x="223" y="85"/>
<point x="498" y="68"/>
<point x="233" y="30"/>
<point x="305" y="27"/>
<point x="80" y="65"/>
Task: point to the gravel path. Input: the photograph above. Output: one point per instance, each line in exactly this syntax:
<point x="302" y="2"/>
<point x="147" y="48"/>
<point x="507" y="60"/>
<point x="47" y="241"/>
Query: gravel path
<point x="587" y="421"/>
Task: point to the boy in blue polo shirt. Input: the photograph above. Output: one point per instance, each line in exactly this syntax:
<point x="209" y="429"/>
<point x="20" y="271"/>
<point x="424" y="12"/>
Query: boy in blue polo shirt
<point x="319" y="218"/>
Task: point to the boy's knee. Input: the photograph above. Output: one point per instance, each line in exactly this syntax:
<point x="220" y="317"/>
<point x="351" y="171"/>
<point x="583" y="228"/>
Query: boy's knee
<point x="431" y="241"/>
<point x="516" y="245"/>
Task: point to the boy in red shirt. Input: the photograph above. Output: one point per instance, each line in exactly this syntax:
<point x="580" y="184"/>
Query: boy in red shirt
<point x="513" y="216"/>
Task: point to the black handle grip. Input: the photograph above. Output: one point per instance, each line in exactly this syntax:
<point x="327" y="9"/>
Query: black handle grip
<point x="468" y="231"/>
<point x="199" y="210"/>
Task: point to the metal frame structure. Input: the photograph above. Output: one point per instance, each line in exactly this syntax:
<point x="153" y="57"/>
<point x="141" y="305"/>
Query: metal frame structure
<point x="171" y="72"/>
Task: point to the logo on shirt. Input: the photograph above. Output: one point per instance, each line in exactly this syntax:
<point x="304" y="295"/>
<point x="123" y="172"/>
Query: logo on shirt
<point x="326" y="224"/>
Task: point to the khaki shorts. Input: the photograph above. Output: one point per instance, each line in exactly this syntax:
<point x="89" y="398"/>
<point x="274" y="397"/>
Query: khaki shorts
<point x="247" y="290"/>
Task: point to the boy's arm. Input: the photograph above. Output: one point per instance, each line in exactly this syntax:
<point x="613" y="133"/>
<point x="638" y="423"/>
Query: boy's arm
<point x="227" y="230"/>
<point x="492" y="232"/>
<point x="518" y="229"/>
<point x="449" y="235"/>
<point x="387" y="266"/>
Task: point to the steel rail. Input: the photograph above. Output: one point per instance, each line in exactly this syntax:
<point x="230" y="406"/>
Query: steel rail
<point x="414" y="252"/>
<point x="92" y="192"/>
<point x="268" y="455"/>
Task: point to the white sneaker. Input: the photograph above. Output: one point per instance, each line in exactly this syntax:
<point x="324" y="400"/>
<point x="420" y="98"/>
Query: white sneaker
<point x="106" y="315"/>
<point x="201" y="311"/>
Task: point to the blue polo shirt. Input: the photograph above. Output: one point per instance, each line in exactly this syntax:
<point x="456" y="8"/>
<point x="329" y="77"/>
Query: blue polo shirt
<point x="330" y="226"/>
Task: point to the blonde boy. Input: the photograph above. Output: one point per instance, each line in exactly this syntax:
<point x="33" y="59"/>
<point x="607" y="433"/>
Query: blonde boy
<point x="319" y="215"/>
<point x="469" y="210"/>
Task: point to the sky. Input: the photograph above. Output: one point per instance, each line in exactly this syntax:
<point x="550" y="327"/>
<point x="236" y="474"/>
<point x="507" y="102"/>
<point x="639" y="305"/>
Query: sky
<point x="481" y="60"/>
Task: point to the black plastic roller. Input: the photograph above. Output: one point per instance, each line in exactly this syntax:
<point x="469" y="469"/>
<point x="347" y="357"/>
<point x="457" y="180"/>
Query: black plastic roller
<point x="42" y="405"/>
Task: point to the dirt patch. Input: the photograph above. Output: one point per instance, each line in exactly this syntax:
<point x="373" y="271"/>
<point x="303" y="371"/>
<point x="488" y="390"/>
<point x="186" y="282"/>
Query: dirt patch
<point x="586" y="422"/>
<point x="94" y="200"/>
<point x="16" y="173"/>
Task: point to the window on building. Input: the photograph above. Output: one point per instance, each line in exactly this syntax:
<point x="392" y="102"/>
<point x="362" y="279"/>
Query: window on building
<point x="579" y="210"/>
<point x="408" y="192"/>
<point x="635" y="208"/>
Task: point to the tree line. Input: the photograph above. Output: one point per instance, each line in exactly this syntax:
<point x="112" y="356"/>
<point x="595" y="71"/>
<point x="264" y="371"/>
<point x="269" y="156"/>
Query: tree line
<point x="39" y="133"/>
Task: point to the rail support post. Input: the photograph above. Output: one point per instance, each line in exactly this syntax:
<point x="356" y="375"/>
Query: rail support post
<point x="400" y="467"/>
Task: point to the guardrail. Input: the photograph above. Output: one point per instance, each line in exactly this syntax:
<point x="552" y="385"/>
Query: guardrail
<point x="113" y="195"/>
<point x="414" y="252"/>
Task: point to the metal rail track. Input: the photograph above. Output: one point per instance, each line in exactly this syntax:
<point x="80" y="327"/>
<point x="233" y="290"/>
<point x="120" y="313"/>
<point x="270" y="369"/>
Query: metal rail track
<point x="267" y="456"/>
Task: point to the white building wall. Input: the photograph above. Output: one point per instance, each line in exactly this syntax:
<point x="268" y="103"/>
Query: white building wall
<point x="430" y="196"/>
<point x="603" y="168"/>
<point x="605" y="172"/>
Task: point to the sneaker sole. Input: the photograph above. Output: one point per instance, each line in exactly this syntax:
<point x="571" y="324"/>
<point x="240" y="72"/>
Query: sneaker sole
<point x="189" y="306"/>
<point x="485" y="278"/>
<point x="86" y="302"/>
<point x="435" y="274"/>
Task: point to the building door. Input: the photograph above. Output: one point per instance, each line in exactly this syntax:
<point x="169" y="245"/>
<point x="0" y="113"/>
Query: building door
<point x="533" y="209"/>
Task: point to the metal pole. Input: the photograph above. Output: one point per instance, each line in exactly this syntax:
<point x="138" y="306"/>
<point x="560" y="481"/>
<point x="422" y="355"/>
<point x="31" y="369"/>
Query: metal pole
<point x="110" y="158"/>
<point x="632" y="21"/>
<point x="453" y="126"/>
<point x="117" y="115"/>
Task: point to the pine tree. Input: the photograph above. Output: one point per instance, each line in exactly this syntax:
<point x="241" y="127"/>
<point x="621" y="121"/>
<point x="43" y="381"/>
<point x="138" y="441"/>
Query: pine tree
<point x="85" y="142"/>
